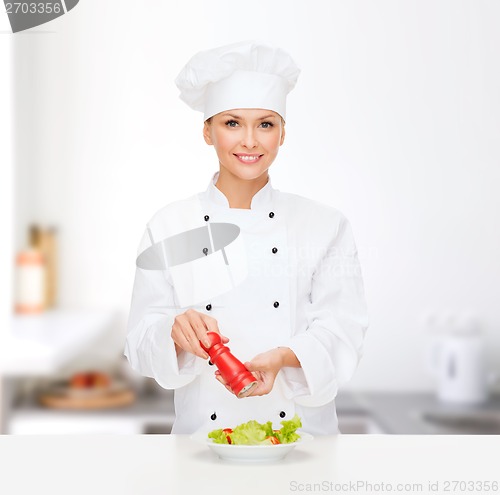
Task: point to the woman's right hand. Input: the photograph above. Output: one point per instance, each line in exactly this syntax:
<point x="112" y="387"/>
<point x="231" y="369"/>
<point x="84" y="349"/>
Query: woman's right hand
<point x="189" y="328"/>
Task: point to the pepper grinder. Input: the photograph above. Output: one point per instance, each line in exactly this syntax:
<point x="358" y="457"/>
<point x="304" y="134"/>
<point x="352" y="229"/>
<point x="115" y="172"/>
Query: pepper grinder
<point x="232" y="370"/>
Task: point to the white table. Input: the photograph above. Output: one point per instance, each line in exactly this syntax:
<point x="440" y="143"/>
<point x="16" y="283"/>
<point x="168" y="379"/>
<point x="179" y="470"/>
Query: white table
<point x="174" y="464"/>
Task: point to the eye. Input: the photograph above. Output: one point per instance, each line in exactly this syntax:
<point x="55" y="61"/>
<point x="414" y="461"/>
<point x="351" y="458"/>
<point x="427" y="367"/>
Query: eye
<point x="267" y="125"/>
<point x="230" y="123"/>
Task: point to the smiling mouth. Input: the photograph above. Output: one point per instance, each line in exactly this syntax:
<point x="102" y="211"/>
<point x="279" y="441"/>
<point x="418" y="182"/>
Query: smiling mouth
<point x="248" y="158"/>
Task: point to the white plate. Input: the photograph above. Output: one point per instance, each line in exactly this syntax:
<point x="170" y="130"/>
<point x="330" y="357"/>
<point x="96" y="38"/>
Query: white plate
<point x="250" y="453"/>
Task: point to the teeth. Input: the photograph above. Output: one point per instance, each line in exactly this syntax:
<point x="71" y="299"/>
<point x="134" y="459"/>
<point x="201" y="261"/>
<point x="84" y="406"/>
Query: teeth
<point x="249" y="158"/>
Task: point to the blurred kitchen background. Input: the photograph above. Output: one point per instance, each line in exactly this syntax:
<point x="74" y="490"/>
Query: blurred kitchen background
<point x="394" y="120"/>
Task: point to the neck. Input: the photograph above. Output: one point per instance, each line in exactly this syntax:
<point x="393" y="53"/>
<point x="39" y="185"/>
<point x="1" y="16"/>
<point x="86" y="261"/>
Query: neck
<point x="239" y="192"/>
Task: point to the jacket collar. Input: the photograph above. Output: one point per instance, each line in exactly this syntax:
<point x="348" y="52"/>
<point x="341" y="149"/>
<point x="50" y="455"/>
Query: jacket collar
<point x="262" y="199"/>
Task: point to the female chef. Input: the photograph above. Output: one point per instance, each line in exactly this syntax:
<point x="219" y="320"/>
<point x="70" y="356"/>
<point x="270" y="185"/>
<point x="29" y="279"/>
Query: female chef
<point x="275" y="274"/>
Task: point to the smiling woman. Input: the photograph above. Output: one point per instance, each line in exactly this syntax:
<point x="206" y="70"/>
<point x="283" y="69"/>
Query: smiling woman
<point x="247" y="142"/>
<point x="274" y="273"/>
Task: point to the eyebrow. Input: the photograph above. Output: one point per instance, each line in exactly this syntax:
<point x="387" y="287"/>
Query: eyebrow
<point x="241" y="118"/>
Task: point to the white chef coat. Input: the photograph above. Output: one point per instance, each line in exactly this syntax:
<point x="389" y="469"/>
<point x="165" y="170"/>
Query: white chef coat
<point x="303" y="290"/>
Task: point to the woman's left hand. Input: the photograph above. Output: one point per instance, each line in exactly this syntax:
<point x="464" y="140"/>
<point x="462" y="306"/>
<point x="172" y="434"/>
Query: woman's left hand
<point x="264" y="367"/>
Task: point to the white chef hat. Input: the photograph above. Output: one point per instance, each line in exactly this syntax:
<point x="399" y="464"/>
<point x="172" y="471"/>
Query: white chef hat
<point x="247" y="74"/>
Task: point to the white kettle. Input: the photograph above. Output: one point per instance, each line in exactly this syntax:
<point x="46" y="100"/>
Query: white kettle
<point x="458" y="361"/>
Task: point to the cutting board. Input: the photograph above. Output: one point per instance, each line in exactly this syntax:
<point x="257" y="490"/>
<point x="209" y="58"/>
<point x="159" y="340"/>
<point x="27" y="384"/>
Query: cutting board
<point x="99" y="398"/>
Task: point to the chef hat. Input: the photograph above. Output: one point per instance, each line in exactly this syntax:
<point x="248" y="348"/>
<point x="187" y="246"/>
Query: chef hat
<point x="247" y="74"/>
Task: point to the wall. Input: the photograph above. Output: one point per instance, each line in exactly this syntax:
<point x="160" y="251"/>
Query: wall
<point x="7" y="179"/>
<point x="394" y="121"/>
<point x="6" y="204"/>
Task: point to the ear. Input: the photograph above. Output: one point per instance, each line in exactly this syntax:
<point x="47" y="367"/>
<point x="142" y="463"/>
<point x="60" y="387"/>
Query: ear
<point x="282" y="134"/>
<point x="206" y="133"/>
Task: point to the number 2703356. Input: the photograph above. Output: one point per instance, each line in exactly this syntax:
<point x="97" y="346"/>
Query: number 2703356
<point x="33" y="8"/>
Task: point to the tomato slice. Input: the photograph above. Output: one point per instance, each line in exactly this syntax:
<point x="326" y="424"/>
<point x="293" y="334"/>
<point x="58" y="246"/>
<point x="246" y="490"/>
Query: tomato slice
<point x="274" y="440"/>
<point x="228" y="432"/>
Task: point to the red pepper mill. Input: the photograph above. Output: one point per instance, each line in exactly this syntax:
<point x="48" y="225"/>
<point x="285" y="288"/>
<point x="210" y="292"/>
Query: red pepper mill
<point x="234" y="372"/>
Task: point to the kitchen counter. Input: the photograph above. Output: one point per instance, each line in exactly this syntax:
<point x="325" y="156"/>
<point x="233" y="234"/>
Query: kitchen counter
<point x="175" y="464"/>
<point x="403" y="413"/>
<point x="148" y="414"/>
<point x="367" y="412"/>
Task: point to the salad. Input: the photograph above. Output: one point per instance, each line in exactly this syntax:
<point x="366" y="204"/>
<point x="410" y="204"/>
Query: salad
<point x="255" y="433"/>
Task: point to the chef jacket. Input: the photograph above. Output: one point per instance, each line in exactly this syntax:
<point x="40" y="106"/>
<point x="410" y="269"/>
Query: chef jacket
<point x="301" y="288"/>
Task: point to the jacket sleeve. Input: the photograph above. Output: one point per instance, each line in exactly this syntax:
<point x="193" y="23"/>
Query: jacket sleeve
<point x="331" y="345"/>
<point x="149" y="347"/>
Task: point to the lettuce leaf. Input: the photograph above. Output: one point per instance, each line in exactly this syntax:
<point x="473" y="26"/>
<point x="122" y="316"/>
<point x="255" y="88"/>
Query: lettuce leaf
<point x="218" y="436"/>
<point x="255" y="433"/>
<point x="252" y="433"/>
<point x="287" y="433"/>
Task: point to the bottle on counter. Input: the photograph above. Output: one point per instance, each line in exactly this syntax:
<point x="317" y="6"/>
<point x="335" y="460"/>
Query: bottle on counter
<point x="44" y="240"/>
<point x="36" y="272"/>
<point x="30" y="282"/>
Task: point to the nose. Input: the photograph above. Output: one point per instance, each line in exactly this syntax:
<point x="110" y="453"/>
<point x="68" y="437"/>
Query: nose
<point x="249" y="139"/>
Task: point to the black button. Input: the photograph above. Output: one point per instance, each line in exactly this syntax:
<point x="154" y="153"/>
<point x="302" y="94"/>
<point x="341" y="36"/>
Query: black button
<point x="282" y="414"/>
<point x="210" y="363"/>
<point x="276" y="304"/>
<point x="275" y="250"/>
<point x="271" y="215"/>
<point x="208" y="307"/>
<point x="205" y="251"/>
<point x="207" y="218"/>
<point x="213" y="417"/>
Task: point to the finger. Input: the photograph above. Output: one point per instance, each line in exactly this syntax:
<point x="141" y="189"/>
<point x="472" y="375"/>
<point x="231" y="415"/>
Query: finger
<point x="220" y="379"/>
<point x="189" y="342"/>
<point x="257" y="390"/>
<point x="218" y="376"/>
<point x="213" y="326"/>
<point x="180" y="340"/>
<point x="185" y="338"/>
<point x="199" y="328"/>
<point x="250" y="366"/>
<point x="262" y="387"/>
<point x="184" y="333"/>
<point x="197" y="334"/>
<point x="197" y="350"/>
